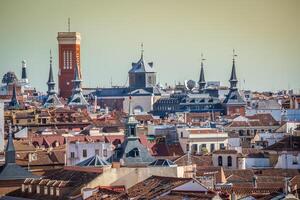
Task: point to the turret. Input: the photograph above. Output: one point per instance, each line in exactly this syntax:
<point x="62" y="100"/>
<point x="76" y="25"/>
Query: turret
<point x="201" y="81"/>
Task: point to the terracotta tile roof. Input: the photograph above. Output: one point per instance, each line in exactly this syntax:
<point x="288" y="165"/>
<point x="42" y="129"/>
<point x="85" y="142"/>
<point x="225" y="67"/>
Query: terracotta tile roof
<point x="154" y="186"/>
<point x="199" y="161"/>
<point x="225" y="151"/>
<point x="288" y="143"/>
<point x="164" y="149"/>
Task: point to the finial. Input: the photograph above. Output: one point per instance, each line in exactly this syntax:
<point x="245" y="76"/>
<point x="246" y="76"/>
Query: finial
<point x="69" y="24"/>
<point x="142" y="49"/>
<point x="202" y="58"/>
<point x="233" y="54"/>
<point x="50" y="57"/>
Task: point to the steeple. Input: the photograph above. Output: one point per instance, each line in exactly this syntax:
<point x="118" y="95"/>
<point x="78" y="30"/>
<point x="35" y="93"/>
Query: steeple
<point x="77" y="98"/>
<point x="52" y="99"/>
<point x="233" y="80"/>
<point x="14" y="103"/>
<point x="201" y="81"/>
<point x="50" y="82"/>
<point x="10" y="151"/>
<point x="131" y="122"/>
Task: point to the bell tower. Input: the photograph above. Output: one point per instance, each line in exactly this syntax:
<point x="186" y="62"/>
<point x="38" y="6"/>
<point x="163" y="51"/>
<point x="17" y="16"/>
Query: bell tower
<point x="69" y="55"/>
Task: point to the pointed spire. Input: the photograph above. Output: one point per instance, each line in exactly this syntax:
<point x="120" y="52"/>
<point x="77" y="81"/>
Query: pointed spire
<point x="50" y="80"/>
<point x="233" y="79"/>
<point x="76" y="73"/>
<point x="14" y="103"/>
<point x="201" y="81"/>
<point x="10" y="151"/>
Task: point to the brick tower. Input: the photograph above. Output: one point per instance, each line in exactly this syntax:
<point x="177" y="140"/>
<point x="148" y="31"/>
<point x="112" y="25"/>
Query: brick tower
<point x="69" y="54"/>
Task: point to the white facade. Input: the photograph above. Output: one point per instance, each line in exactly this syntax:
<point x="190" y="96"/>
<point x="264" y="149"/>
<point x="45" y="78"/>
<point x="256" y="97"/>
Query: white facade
<point x="195" y="139"/>
<point x="288" y="160"/>
<point x="140" y="104"/>
<point x="1" y="126"/>
<point x="79" y="151"/>
<point x="257" y="163"/>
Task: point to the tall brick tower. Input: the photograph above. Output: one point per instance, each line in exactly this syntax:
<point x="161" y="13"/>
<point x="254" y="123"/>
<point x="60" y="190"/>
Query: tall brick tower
<point x="69" y="55"/>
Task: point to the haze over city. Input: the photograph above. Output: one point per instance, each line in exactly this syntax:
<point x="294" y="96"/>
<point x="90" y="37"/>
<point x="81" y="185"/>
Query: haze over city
<point x="265" y="35"/>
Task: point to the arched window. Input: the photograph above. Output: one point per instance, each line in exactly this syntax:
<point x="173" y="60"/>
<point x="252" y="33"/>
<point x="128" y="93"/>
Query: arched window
<point x="220" y="161"/>
<point x="229" y="161"/>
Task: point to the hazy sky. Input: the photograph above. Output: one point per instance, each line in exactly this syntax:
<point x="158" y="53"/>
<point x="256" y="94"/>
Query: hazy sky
<point x="265" y="34"/>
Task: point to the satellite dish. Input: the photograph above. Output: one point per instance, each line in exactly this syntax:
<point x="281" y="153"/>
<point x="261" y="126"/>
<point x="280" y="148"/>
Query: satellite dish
<point x="190" y="84"/>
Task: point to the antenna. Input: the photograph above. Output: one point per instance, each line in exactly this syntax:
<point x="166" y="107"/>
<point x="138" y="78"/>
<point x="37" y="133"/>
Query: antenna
<point x="50" y="56"/>
<point x="142" y="49"/>
<point x="69" y="24"/>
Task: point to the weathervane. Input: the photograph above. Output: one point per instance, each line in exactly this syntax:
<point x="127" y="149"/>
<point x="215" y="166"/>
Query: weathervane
<point x="233" y="54"/>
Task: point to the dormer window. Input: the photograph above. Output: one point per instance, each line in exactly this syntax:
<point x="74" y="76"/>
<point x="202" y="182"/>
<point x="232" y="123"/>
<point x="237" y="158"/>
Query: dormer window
<point x="135" y="152"/>
<point x="38" y="191"/>
<point x="45" y="190"/>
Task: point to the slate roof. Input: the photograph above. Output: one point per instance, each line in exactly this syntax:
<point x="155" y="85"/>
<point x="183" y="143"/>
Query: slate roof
<point x="142" y="67"/>
<point x="234" y="98"/>
<point x="126" y="91"/>
<point x="10" y="170"/>
<point x="123" y="153"/>
<point x="93" y="161"/>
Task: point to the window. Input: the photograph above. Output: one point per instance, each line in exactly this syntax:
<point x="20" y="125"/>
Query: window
<point x="72" y="154"/>
<point x="45" y="190"/>
<point x="28" y="120"/>
<point x="212" y="147"/>
<point x="220" y="161"/>
<point x="104" y="152"/>
<point x="57" y="191"/>
<point x="51" y="191"/>
<point x="97" y="152"/>
<point x="23" y="188"/>
<point x="84" y="153"/>
<point x="222" y="146"/>
<point x="229" y="161"/>
<point x="135" y="152"/>
<point x="181" y="134"/>
<point x="38" y="189"/>
<point x="295" y="160"/>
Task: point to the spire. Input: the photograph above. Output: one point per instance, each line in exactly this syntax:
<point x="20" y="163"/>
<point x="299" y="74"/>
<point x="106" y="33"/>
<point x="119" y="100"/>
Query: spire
<point x="14" y="101"/>
<point x="77" y="98"/>
<point x="233" y="80"/>
<point x="52" y="100"/>
<point x="50" y="82"/>
<point x="24" y="73"/>
<point x="10" y="151"/>
<point x="201" y="81"/>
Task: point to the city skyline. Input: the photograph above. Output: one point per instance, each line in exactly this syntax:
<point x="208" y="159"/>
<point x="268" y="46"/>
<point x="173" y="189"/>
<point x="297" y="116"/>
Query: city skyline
<point x="266" y="40"/>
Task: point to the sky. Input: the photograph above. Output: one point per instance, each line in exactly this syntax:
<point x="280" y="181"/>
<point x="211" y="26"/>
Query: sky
<point x="264" y="33"/>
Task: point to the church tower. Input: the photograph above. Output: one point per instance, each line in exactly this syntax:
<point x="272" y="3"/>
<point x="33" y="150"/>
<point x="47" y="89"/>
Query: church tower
<point x="142" y="74"/>
<point x="69" y="55"/>
<point x="77" y="99"/>
<point x="52" y="99"/>
<point x="234" y="103"/>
